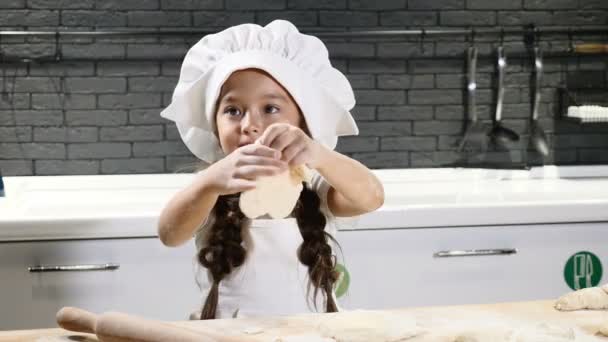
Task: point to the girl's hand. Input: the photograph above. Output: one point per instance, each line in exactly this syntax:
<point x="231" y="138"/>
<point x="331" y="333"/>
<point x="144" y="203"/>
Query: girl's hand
<point x="238" y="171"/>
<point x="295" y="146"/>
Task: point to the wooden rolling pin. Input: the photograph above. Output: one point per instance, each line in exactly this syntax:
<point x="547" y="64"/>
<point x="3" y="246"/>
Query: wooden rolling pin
<point x="120" y="327"/>
<point x="591" y="48"/>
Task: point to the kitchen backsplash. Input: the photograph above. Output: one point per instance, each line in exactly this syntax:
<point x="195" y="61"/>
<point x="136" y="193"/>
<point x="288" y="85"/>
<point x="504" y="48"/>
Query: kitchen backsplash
<point x="100" y="114"/>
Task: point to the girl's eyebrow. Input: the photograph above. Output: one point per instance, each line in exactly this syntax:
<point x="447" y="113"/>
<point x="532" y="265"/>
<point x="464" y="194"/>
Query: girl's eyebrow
<point x="275" y="96"/>
<point x="271" y="96"/>
<point x="229" y="98"/>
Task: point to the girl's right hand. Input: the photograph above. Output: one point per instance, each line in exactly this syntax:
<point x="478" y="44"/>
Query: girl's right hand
<point x="238" y="171"/>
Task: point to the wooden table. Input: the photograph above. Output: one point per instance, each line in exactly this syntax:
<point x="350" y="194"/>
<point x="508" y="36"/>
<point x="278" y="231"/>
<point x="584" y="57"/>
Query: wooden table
<point x="431" y="319"/>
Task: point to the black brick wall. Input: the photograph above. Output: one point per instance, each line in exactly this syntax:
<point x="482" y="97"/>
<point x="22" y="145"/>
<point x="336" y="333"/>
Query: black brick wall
<point x="101" y="114"/>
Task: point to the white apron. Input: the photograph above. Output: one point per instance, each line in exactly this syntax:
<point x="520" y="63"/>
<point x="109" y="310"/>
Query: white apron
<point x="271" y="281"/>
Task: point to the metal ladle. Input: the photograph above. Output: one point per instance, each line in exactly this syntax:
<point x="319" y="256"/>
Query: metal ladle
<point x="476" y="134"/>
<point x="502" y="135"/>
<point x="538" y="139"/>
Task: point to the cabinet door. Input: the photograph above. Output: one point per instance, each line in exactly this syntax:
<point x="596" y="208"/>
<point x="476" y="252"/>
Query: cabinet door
<point x="397" y="268"/>
<point x="151" y="280"/>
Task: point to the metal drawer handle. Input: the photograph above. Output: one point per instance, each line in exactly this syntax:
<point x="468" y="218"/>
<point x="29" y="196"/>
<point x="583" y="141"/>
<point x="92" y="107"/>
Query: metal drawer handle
<point x="475" y="252"/>
<point x="74" y="268"/>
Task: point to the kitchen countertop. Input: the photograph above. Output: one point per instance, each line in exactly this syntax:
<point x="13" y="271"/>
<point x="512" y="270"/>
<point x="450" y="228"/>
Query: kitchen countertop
<point x="107" y="206"/>
<point x="432" y="323"/>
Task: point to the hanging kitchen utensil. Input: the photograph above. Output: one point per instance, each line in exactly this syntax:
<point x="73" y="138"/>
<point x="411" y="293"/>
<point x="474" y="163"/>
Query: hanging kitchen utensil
<point x="500" y="134"/>
<point x="538" y="138"/>
<point x="60" y="90"/>
<point x="4" y="92"/>
<point x="476" y="134"/>
<point x="590" y="48"/>
<point x="583" y="99"/>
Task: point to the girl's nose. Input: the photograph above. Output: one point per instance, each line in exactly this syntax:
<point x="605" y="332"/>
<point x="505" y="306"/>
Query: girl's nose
<point x="250" y="124"/>
<point x="251" y="130"/>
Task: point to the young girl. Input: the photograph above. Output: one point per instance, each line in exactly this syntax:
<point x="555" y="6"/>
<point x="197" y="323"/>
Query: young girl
<point x="253" y="101"/>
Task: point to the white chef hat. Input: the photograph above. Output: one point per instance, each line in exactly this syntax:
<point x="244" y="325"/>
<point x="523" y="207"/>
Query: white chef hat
<point x="299" y="62"/>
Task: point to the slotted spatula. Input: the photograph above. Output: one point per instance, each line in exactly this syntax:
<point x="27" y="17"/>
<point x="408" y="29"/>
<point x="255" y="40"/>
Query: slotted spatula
<point x="476" y="135"/>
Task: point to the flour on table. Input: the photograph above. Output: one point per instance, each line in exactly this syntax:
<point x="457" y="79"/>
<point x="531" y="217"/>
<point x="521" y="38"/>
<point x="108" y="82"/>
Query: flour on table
<point x="70" y="338"/>
<point x="365" y="326"/>
<point x="518" y="333"/>
<point x="543" y="332"/>
<point x="304" y="338"/>
<point x="480" y="333"/>
<point x="253" y="330"/>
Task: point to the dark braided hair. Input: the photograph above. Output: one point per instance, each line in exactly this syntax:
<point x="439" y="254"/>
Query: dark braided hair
<point x="315" y="251"/>
<point x="224" y="250"/>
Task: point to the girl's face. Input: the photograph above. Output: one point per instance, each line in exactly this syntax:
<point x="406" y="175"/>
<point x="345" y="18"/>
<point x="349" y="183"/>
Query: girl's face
<point x="251" y="100"/>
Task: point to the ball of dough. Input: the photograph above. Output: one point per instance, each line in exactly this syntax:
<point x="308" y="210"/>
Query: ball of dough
<point x="592" y="298"/>
<point x="274" y="195"/>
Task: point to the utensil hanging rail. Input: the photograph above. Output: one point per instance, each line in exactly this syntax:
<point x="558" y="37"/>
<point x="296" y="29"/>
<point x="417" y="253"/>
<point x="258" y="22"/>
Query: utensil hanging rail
<point x="470" y="33"/>
<point x="328" y="34"/>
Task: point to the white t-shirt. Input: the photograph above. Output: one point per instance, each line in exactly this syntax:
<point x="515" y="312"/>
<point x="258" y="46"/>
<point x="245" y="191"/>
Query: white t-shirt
<point x="271" y="281"/>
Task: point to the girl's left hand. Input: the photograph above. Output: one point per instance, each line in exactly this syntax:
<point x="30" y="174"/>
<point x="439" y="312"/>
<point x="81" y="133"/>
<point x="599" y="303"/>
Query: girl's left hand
<point x="295" y="146"/>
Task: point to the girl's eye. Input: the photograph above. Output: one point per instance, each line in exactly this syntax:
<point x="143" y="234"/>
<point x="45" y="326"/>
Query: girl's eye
<point x="232" y="111"/>
<point x="272" y="109"/>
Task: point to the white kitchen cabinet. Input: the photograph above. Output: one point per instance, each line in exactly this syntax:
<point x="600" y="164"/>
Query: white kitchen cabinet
<point x="393" y="268"/>
<point x="389" y="268"/>
<point x="152" y="280"/>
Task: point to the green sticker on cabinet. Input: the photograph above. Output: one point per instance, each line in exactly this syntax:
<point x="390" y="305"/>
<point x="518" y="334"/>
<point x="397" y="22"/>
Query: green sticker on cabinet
<point x="343" y="281"/>
<point x="583" y="270"/>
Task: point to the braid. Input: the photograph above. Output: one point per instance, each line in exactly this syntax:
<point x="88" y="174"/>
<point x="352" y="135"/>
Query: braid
<point x="223" y="251"/>
<point x="315" y="251"/>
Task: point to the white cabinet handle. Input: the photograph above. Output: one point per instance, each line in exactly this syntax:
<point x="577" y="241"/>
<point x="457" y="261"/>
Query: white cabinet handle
<point x="74" y="268"/>
<point x="475" y="252"/>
